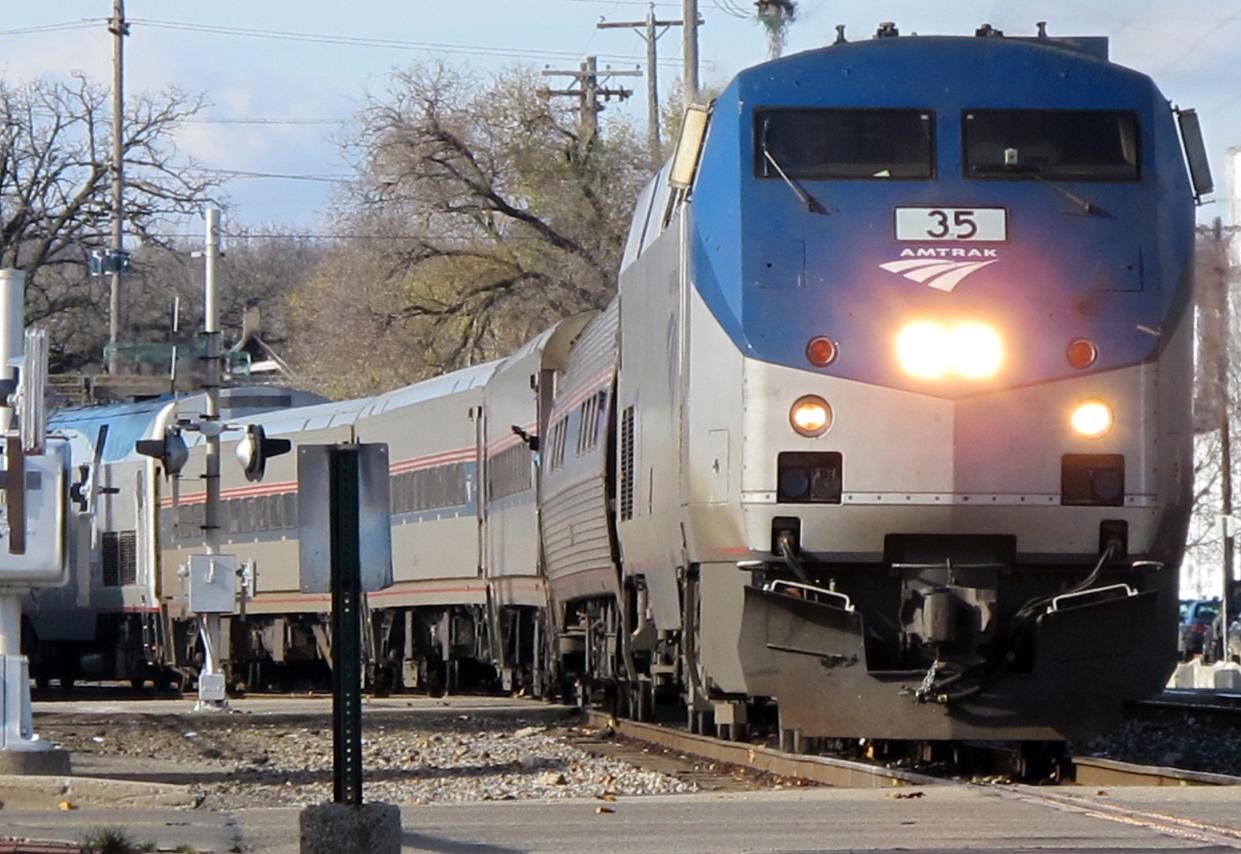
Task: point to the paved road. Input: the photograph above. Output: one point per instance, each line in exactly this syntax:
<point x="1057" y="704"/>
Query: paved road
<point x="936" y="820"/>
<point x="942" y="819"/>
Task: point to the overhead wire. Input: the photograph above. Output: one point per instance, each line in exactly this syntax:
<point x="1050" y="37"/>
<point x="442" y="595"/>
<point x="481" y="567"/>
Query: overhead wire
<point x="283" y="176"/>
<point x="372" y="41"/>
<point x="258" y="120"/>
<point x="313" y="235"/>
<point x="83" y="24"/>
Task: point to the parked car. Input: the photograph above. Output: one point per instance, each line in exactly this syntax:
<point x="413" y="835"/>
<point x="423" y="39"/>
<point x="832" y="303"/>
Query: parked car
<point x="1197" y="617"/>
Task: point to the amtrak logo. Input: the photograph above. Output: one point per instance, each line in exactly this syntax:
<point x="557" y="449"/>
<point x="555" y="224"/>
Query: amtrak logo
<point x="939" y="268"/>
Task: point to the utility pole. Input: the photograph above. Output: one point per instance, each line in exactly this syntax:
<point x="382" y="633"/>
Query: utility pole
<point x="689" y="49"/>
<point x="119" y="29"/>
<point x="588" y="93"/>
<point x="649" y="35"/>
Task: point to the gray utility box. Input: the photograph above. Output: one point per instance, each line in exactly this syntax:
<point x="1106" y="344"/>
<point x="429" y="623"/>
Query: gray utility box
<point x="213" y="584"/>
<point x="42" y="559"/>
<point x="314" y="516"/>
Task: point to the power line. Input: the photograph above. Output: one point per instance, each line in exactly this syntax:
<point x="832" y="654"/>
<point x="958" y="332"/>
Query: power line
<point x="83" y="24"/>
<point x="282" y="176"/>
<point x="249" y="120"/>
<point x="641" y="3"/>
<point x="364" y="41"/>
<point x="342" y="236"/>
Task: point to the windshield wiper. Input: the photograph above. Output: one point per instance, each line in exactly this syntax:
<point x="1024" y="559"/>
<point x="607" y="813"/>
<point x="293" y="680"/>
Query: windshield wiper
<point x="1087" y="208"/>
<point x="811" y="203"/>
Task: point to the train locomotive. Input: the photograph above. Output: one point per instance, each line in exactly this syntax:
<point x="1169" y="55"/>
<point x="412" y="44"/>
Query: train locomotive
<point x="888" y="427"/>
<point x="932" y="412"/>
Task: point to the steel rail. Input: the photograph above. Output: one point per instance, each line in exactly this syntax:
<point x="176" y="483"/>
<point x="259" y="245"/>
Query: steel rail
<point x="1095" y="771"/>
<point x="828" y="770"/>
<point x="844" y="773"/>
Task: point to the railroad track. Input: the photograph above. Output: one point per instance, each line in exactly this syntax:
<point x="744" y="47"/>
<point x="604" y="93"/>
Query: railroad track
<point x="1219" y="704"/>
<point x="846" y="773"/>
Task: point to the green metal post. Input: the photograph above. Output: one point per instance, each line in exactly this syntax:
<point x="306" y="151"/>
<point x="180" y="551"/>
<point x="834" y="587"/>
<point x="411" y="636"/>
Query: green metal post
<point x="346" y="627"/>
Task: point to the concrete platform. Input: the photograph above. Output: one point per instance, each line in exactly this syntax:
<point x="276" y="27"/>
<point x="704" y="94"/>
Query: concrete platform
<point x="48" y="793"/>
<point x="54" y="761"/>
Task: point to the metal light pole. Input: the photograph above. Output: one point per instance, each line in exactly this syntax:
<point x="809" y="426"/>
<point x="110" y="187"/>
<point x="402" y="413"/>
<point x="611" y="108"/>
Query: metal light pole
<point x="210" y="680"/>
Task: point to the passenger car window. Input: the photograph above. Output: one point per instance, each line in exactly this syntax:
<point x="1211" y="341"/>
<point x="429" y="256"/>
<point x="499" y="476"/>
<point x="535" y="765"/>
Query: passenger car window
<point x="843" y="143"/>
<point x="1066" y="145"/>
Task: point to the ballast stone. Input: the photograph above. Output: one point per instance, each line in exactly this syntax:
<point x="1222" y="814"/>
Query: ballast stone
<point x="350" y="829"/>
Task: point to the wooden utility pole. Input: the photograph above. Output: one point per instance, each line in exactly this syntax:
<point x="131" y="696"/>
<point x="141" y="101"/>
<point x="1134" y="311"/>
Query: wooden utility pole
<point x="116" y="266"/>
<point x="650" y="33"/>
<point x="588" y="93"/>
<point x="689" y="49"/>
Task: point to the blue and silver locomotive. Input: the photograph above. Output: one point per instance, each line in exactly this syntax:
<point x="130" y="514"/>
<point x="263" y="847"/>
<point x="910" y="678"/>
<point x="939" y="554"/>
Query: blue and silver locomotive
<point x="904" y="390"/>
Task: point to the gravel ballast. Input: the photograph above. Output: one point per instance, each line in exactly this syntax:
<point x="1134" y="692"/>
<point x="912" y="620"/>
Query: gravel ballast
<point x="235" y="761"/>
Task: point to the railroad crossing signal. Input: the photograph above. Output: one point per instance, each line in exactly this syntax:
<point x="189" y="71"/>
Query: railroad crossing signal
<point x="255" y="448"/>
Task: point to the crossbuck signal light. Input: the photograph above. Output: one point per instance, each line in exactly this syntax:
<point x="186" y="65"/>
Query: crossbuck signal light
<point x="255" y="448"/>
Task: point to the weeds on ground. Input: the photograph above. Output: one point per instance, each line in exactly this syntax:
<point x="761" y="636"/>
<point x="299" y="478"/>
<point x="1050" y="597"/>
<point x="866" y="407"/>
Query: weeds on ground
<point x="113" y="840"/>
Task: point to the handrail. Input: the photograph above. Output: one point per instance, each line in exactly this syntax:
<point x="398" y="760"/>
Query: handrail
<point x="1056" y="600"/>
<point x="820" y="591"/>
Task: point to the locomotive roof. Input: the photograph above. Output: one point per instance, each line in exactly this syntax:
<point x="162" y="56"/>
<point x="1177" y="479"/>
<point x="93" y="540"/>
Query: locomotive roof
<point x="126" y="423"/>
<point x="881" y="67"/>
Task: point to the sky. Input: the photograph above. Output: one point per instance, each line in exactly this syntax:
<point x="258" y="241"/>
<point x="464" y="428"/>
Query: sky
<point x="280" y="105"/>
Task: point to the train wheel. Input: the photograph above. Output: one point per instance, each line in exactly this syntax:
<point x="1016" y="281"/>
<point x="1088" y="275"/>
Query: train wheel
<point x="137" y="682"/>
<point x="1042" y="761"/>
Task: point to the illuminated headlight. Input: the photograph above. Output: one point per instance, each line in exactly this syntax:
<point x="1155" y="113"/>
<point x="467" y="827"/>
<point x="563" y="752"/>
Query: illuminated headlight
<point x="1091" y="419"/>
<point x="930" y="350"/>
<point x="810" y="416"/>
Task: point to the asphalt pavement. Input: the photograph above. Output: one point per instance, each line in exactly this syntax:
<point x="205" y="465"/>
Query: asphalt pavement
<point x="931" y="820"/>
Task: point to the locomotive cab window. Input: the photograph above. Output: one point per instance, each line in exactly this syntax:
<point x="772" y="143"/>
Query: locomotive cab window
<point x="845" y="143"/>
<point x="1065" y="145"/>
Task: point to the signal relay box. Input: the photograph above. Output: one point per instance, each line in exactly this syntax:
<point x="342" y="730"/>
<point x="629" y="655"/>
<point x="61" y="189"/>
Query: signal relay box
<point x="32" y="520"/>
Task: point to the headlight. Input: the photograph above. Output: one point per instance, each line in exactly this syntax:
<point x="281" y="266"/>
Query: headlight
<point x="1091" y="418"/>
<point x="922" y="349"/>
<point x="810" y="416"/>
<point x="976" y="350"/>
<point x="929" y="350"/>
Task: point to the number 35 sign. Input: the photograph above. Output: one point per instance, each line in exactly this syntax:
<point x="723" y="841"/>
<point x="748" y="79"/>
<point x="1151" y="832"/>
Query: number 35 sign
<point x="956" y="224"/>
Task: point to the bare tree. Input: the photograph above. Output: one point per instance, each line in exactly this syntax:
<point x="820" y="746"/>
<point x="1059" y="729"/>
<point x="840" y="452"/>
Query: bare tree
<point x="484" y="213"/>
<point x="55" y="151"/>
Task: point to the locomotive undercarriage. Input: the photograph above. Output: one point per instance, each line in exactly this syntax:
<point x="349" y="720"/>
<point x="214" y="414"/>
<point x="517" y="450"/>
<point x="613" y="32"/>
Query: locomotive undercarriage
<point x="126" y="646"/>
<point x="952" y="638"/>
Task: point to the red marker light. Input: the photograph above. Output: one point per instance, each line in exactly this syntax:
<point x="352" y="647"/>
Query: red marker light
<point x="1082" y="353"/>
<point x="821" y="351"/>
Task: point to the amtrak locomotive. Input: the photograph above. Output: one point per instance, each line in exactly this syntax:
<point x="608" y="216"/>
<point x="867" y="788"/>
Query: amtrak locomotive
<point x="888" y="428"/>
